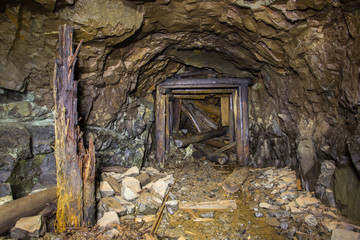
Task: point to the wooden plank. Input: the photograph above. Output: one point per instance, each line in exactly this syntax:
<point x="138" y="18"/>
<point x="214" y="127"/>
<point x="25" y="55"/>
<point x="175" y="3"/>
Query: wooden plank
<point x="68" y="165"/>
<point x="24" y="207"/>
<point x="209" y="108"/>
<point x="219" y="158"/>
<point x="227" y="147"/>
<point x="205" y="83"/>
<point x="160" y="125"/>
<point x="238" y="123"/>
<point x="201" y="91"/>
<point x="209" y="205"/>
<point x="231" y="119"/>
<point x="225" y="109"/>
<point x="167" y="123"/>
<point x="89" y="186"/>
<point x="245" y="123"/>
<point x="177" y="113"/>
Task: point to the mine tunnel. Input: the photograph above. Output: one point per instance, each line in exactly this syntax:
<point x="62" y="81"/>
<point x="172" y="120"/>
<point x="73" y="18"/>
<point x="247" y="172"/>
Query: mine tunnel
<point x="206" y="119"/>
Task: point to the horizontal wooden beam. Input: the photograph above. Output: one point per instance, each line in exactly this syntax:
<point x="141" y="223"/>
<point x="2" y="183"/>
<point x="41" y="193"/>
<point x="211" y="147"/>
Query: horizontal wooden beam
<point x="201" y="91"/>
<point x="206" y="83"/>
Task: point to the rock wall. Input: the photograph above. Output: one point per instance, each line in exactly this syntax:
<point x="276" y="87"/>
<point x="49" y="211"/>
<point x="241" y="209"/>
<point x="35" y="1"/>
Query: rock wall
<point x="303" y="55"/>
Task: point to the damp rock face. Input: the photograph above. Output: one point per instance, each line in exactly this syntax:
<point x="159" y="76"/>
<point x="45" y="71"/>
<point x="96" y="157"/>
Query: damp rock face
<point x="302" y="55"/>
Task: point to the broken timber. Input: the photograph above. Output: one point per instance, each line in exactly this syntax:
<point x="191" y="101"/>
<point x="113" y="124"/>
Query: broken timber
<point x="75" y="169"/>
<point x="211" y="205"/>
<point x="184" y="142"/>
<point x="238" y="120"/>
<point x="24" y="207"/>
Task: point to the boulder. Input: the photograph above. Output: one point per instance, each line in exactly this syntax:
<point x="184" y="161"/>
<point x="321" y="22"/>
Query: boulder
<point x="15" y="140"/>
<point x="108" y="219"/>
<point x="148" y="203"/>
<point x="311" y="220"/>
<point x="160" y="187"/>
<point x="28" y="227"/>
<point x="130" y="188"/>
<point x="105" y="189"/>
<point x="111" y="204"/>
<point x="306" y="201"/>
<point x="132" y="172"/>
<point x="152" y="171"/>
<point x="42" y="138"/>
<point x="343" y="234"/>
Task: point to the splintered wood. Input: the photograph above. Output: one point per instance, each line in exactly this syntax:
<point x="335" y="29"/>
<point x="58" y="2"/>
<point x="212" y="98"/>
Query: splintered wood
<point x="210" y="205"/>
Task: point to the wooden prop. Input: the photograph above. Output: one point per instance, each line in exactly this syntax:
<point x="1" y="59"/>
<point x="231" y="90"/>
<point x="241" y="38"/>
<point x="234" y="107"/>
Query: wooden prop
<point x="24" y="207"/>
<point x="184" y="142"/>
<point x="219" y="158"/>
<point x="211" y="205"/>
<point x="75" y="168"/>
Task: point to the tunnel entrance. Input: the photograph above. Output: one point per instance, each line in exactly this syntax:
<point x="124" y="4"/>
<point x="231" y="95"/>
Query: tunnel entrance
<point x="176" y="95"/>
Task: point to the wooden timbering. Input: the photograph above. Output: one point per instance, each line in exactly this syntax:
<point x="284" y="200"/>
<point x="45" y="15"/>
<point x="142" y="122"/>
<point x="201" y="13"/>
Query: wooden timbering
<point x="231" y="118"/>
<point x="245" y="122"/>
<point x="225" y="109"/>
<point x="176" y="115"/>
<point x="234" y="110"/>
<point x="160" y="125"/>
<point x="68" y="165"/>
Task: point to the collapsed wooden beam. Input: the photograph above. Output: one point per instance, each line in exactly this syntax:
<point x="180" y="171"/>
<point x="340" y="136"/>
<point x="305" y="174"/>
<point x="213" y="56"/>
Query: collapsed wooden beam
<point x="24" y="207"/>
<point x="210" y="205"/>
<point x="184" y="142"/>
<point x="219" y="158"/>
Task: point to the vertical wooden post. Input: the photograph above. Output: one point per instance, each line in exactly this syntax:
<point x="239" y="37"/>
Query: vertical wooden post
<point x="160" y="125"/>
<point x="177" y="113"/>
<point x="245" y="121"/>
<point x="167" y="123"/>
<point x="231" y="118"/>
<point x="89" y="185"/>
<point x="68" y="165"/>
<point x="225" y="111"/>
<point x="238" y="126"/>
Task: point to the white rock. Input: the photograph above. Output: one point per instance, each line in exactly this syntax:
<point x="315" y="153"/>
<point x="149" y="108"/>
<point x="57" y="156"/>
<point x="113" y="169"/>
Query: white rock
<point x="105" y="189"/>
<point x="169" y="179"/>
<point x="111" y="204"/>
<point x="148" y="186"/>
<point x="311" y="220"/>
<point x="130" y="188"/>
<point x="152" y="171"/>
<point x="342" y="234"/>
<point x="268" y="206"/>
<point x="160" y="187"/>
<point x="306" y="201"/>
<point x="287" y="195"/>
<point x="134" y="171"/>
<point x="130" y="207"/>
<point x="108" y="219"/>
<point x="28" y="227"/>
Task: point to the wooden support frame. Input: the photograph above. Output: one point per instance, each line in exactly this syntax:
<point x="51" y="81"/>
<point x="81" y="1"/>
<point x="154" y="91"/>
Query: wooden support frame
<point x="236" y="89"/>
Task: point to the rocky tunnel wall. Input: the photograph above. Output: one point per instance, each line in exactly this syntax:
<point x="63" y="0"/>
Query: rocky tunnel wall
<point x="303" y="56"/>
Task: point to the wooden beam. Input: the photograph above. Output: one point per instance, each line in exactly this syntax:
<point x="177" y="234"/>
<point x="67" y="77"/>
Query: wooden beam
<point x="201" y="91"/>
<point x="24" y="207"/>
<point x="210" y="205"/>
<point x="205" y="83"/>
<point x="68" y="165"/>
<point x="231" y="118"/>
<point x="184" y="142"/>
<point x="225" y="109"/>
<point x="238" y="127"/>
<point x="167" y="123"/>
<point x="176" y="115"/>
<point x="245" y="122"/>
<point x="160" y="125"/>
<point x="210" y="108"/>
